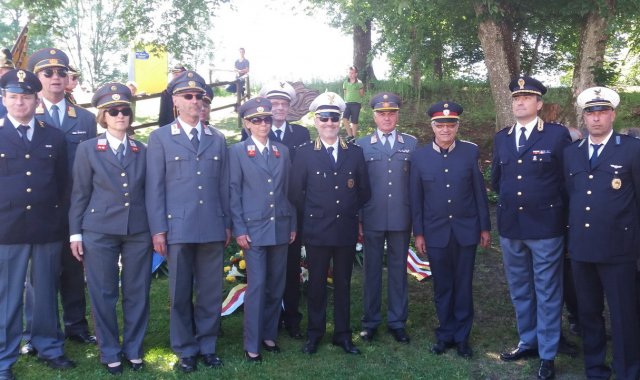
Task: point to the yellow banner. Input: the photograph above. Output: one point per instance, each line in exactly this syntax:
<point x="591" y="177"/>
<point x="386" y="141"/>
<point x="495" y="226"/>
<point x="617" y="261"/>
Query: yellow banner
<point x="148" y="67"/>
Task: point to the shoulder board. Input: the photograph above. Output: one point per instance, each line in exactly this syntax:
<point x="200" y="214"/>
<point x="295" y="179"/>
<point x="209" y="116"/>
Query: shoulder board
<point x="41" y="123"/>
<point x="580" y="142"/>
<point x="343" y="144"/>
<point x="71" y="111"/>
<point x="510" y="129"/>
<point x="468" y="142"/>
<point x="40" y="108"/>
<point x="306" y="143"/>
<point x="2" y="122"/>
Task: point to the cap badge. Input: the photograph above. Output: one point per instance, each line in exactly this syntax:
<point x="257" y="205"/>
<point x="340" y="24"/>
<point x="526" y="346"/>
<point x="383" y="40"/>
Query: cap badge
<point x="331" y="98"/>
<point x="282" y="84"/>
<point x="385" y="96"/>
<point x="21" y="74"/>
<point x="385" y="104"/>
<point x="113" y="88"/>
<point x="192" y="83"/>
<point x="446" y="105"/>
<point x="52" y="51"/>
<point x="260" y="109"/>
<point x="190" y="75"/>
<point x="521" y="83"/>
<point x="115" y="96"/>
<point x="446" y="112"/>
<point x="53" y="61"/>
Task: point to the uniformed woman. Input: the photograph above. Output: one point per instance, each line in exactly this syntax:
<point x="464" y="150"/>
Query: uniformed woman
<point x="109" y="228"/>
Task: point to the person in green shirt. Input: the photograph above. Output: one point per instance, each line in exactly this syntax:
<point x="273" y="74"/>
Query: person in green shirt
<point x="353" y="93"/>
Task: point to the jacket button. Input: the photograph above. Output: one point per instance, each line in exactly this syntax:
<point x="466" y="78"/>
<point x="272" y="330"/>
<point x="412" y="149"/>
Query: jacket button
<point x="28" y="189"/>
<point x="126" y="204"/>
<point x="586" y="225"/>
<point x="28" y="207"/>
<point x="27" y="156"/>
<point x="588" y="192"/>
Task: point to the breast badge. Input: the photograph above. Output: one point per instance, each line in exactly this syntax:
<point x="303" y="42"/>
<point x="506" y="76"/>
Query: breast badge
<point x="351" y="183"/>
<point x="616" y="183"/>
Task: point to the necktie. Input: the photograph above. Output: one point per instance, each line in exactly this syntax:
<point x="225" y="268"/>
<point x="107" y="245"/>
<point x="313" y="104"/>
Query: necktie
<point x="594" y="155"/>
<point x="120" y="152"/>
<point x="279" y="134"/>
<point x="265" y="153"/>
<point x="387" y="143"/>
<point x="194" y="139"/>
<point x="23" y="131"/>
<point x="333" y="159"/>
<point x="55" y="115"/>
<point x="522" y="141"/>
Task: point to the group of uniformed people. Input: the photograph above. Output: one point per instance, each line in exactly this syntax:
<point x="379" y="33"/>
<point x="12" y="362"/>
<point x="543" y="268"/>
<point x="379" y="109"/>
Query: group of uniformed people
<point x="186" y="194"/>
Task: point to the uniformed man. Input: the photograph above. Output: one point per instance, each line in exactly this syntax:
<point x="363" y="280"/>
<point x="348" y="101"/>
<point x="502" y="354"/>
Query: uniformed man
<point x="602" y="174"/>
<point x="386" y="217"/>
<point x="33" y="173"/>
<point x="264" y="224"/>
<point x="78" y="125"/>
<point x="527" y="174"/>
<point x="282" y="94"/>
<point x="6" y="65"/>
<point x="205" y="113"/>
<point x="187" y="195"/>
<point x="329" y="182"/>
<point x="450" y="218"/>
<point x="167" y="112"/>
<point x="74" y="77"/>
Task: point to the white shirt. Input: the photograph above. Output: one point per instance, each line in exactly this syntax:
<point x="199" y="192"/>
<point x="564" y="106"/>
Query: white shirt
<point x="188" y="127"/>
<point x="528" y="129"/>
<point x="335" y="148"/>
<point x="392" y="138"/>
<point x="603" y="142"/>
<point x="114" y="143"/>
<point x="62" y="107"/>
<point x="281" y="128"/>
<point x="16" y="124"/>
<point x="259" y="145"/>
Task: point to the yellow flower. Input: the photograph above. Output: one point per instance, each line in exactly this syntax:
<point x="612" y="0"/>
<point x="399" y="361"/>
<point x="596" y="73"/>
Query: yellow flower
<point x="241" y="253"/>
<point x="242" y="264"/>
<point x="329" y="280"/>
<point x="231" y="279"/>
<point x="227" y="269"/>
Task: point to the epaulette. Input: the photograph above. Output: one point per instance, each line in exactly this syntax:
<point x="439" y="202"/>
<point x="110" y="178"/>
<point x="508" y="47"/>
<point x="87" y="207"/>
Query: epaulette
<point x="308" y="143"/>
<point x="469" y="142"/>
<point x="2" y="122"/>
<point x="511" y="128"/>
<point x="41" y="123"/>
<point x="343" y="144"/>
<point x="580" y="142"/>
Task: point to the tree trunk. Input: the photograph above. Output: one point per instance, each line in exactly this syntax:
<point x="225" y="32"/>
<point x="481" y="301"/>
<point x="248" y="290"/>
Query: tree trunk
<point x="499" y="56"/>
<point x="414" y="62"/>
<point x="362" y="51"/>
<point x="593" y="41"/>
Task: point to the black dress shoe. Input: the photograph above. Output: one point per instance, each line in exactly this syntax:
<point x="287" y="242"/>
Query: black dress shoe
<point x="6" y="374"/>
<point x="136" y="366"/>
<point x="253" y="359"/>
<point x="347" y="346"/>
<point x="547" y="370"/>
<point x="400" y="335"/>
<point x="188" y="364"/>
<point x="28" y="349"/>
<point x="310" y="347"/>
<point x="464" y="351"/>
<point x="211" y="360"/>
<point x="441" y="347"/>
<point x="518" y="353"/>
<point x="83" y="338"/>
<point x="115" y="370"/>
<point x="274" y="348"/>
<point x="367" y="334"/>
<point x="61" y="362"/>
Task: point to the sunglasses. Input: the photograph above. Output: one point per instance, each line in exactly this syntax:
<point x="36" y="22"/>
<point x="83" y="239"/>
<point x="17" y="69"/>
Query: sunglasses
<point x="48" y="73"/>
<point x="190" y="96"/>
<point x="260" y="120"/>
<point x="326" y="116"/>
<point x="115" y="111"/>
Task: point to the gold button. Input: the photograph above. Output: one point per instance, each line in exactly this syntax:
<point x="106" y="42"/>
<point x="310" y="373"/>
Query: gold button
<point x="28" y="189"/>
<point x="27" y="156"/>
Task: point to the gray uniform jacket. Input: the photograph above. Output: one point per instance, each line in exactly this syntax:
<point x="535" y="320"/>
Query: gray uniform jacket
<point x="187" y="192"/>
<point x="108" y="196"/>
<point x="388" y="209"/>
<point x="259" y="204"/>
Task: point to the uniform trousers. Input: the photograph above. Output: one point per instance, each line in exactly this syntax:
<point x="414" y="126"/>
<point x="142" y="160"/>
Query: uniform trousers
<point x="534" y="273"/>
<point x="101" y="256"/>
<point x="193" y="328"/>
<point x="397" y="298"/>
<point x="266" y="268"/>
<point x="593" y="282"/>
<point x="318" y="258"/>
<point x="452" y="269"/>
<point x="45" y="271"/>
<point x="291" y="298"/>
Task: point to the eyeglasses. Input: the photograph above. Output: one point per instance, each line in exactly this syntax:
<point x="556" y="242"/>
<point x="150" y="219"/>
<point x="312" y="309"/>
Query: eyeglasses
<point x="190" y="96"/>
<point x="326" y="116"/>
<point x="48" y="73"/>
<point x="259" y="120"/>
<point x="115" y="111"/>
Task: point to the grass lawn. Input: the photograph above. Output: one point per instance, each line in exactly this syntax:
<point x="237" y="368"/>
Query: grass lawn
<point x="494" y="330"/>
